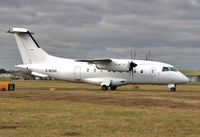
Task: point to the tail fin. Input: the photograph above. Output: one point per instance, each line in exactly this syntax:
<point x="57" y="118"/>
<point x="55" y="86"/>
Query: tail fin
<point x="29" y="49"/>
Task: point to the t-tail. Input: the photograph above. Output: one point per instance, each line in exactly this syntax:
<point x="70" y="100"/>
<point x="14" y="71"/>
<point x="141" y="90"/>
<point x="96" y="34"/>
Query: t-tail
<point x="30" y="51"/>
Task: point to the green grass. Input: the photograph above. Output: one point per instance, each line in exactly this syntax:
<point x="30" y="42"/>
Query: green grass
<point x="81" y="110"/>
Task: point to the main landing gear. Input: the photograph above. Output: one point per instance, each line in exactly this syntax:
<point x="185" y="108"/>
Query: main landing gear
<point x="105" y="88"/>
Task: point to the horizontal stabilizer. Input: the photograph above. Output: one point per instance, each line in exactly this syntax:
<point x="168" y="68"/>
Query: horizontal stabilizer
<point x="18" y="30"/>
<point x="23" y="66"/>
<point x="39" y="74"/>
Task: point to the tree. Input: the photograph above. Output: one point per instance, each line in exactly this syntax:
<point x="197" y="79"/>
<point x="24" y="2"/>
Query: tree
<point x="2" y="71"/>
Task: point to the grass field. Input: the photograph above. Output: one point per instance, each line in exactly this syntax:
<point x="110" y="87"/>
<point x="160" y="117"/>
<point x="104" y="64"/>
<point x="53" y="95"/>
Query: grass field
<point x="72" y="109"/>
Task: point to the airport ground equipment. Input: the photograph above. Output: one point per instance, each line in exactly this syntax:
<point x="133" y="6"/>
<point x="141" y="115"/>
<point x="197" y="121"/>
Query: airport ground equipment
<point x="6" y="86"/>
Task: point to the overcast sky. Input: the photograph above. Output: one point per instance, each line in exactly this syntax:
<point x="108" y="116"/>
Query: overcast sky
<point x="105" y="28"/>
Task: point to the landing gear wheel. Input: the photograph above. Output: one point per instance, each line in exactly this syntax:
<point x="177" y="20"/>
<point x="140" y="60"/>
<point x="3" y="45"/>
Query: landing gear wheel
<point x="104" y="88"/>
<point x="113" y="88"/>
<point x="173" y="89"/>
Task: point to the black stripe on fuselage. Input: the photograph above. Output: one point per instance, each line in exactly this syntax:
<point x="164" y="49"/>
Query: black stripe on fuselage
<point x="33" y="39"/>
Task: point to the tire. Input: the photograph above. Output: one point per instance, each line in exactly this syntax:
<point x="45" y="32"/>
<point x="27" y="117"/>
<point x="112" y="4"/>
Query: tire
<point x="104" y="88"/>
<point x="173" y="89"/>
<point x="113" y="88"/>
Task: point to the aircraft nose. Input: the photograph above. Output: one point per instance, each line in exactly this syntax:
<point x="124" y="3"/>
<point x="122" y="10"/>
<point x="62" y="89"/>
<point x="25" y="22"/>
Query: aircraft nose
<point x="184" y="79"/>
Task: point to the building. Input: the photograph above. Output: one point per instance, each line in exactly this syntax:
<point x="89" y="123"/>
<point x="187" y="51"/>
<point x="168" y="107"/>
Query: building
<point x="6" y="76"/>
<point x="193" y="75"/>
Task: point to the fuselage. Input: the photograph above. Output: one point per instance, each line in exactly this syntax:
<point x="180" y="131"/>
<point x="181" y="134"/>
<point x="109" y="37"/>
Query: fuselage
<point x="147" y="72"/>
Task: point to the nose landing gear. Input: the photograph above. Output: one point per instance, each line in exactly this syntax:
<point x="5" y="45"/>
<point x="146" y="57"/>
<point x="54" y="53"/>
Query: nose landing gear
<point x="172" y="87"/>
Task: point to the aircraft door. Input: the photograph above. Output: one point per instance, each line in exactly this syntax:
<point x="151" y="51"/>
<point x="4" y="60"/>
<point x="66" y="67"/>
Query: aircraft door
<point x="77" y="73"/>
<point x="152" y="71"/>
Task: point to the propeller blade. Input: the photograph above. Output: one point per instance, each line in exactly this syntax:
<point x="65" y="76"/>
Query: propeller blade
<point x="131" y="55"/>
<point x="134" y="56"/>
<point x="132" y="64"/>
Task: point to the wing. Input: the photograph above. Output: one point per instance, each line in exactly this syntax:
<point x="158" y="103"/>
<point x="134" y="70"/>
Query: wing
<point x="96" y="61"/>
<point x="108" y="64"/>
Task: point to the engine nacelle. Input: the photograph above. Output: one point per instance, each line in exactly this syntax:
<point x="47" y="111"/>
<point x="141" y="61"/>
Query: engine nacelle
<point x="115" y="65"/>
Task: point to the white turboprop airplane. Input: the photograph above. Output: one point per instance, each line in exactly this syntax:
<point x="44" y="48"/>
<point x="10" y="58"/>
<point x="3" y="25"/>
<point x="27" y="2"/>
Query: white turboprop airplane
<point x="108" y="73"/>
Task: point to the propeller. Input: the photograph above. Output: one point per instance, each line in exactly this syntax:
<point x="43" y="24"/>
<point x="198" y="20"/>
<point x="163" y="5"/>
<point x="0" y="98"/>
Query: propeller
<point x="148" y="56"/>
<point x="132" y="64"/>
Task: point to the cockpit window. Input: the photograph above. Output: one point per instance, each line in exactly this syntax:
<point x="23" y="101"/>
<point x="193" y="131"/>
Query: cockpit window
<point x="165" y="69"/>
<point x="172" y="69"/>
<point x="169" y="69"/>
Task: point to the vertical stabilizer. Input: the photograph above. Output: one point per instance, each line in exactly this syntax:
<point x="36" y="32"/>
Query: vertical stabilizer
<point x="29" y="49"/>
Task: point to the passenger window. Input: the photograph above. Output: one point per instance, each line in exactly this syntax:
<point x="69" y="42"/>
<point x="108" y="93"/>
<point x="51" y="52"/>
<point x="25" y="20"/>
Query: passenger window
<point x="94" y="70"/>
<point x="141" y="71"/>
<point x="88" y="70"/>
